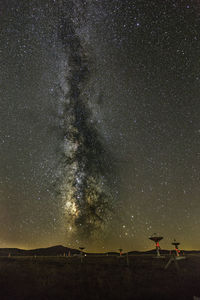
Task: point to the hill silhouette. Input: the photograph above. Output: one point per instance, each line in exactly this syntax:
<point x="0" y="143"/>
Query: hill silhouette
<point x="59" y="250"/>
<point x="49" y="251"/>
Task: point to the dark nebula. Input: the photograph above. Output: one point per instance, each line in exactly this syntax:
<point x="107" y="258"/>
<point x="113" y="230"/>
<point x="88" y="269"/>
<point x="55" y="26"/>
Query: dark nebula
<point x="86" y="165"/>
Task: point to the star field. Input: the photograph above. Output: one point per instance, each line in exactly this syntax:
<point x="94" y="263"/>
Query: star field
<point x="141" y="96"/>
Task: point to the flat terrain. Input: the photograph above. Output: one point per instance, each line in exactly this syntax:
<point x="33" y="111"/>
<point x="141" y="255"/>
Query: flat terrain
<point x="98" y="277"/>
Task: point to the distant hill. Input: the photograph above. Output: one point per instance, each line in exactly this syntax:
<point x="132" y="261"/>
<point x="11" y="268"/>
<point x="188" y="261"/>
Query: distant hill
<point x="50" y="251"/>
<point x="65" y="251"/>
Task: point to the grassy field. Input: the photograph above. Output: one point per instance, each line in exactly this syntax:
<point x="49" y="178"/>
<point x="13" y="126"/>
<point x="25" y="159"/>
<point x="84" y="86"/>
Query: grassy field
<point x="103" y="277"/>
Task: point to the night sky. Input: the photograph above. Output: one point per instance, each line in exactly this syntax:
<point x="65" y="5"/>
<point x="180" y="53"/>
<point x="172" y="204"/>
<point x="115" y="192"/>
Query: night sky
<point x="99" y="123"/>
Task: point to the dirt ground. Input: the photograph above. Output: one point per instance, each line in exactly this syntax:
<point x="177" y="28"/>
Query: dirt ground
<point x="103" y="277"/>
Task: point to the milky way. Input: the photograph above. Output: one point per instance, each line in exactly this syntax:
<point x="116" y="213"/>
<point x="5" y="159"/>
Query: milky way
<point x="85" y="165"/>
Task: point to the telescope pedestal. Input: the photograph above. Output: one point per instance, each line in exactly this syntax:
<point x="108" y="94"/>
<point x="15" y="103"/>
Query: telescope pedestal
<point x="174" y="259"/>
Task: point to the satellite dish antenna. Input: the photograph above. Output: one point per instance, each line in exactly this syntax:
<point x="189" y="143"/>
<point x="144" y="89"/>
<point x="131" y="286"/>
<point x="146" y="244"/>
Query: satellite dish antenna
<point x="156" y="239"/>
<point x="178" y="252"/>
<point x="176" y="257"/>
<point x="176" y="244"/>
<point x="120" y="251"/>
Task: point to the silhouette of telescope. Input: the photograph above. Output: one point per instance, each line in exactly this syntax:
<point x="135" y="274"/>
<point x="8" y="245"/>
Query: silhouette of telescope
<point x="156" y="239"/>
<point x="176" y="244"/>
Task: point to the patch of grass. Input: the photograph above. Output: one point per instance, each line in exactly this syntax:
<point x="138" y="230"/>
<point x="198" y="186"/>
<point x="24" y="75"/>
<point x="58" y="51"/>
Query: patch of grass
<point x="103" y="277"/>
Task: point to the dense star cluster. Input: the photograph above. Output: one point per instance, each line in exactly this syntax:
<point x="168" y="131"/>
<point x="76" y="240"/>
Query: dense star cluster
<point x="100" y="127"/>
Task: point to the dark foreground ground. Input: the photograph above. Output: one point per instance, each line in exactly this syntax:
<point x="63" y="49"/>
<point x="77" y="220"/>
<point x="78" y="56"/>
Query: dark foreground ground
<point x="95" y="278"/>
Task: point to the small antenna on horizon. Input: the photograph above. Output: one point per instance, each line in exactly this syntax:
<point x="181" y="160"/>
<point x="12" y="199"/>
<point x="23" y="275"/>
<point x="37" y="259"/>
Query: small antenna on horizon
<point x="81" y="248"/>
<point x="120" y="251"/>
